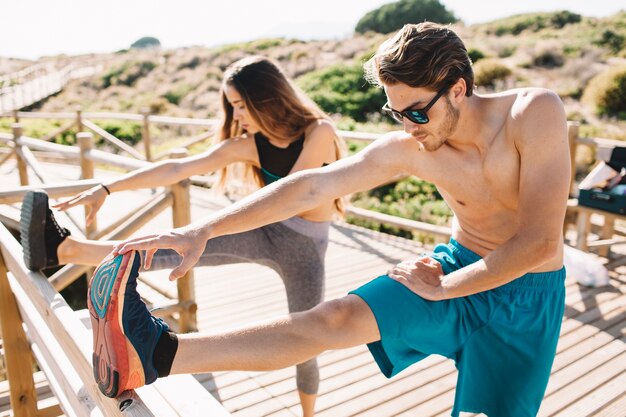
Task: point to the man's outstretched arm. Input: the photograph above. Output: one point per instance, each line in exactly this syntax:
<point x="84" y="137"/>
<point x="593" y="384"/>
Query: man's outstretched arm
<point x="380" y="162"/>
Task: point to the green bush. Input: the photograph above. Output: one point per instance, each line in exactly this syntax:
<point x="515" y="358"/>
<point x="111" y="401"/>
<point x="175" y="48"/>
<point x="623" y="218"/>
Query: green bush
<point x="411" y="198"/>
<point x="191" y="64"/>
<point x="128" y="73"/>
<point x="341" y="89"/>
<point x="534" y="22"/>
<point x="489" y="71"/>
<point x="607" y="92"/>
<point x="612" y="40"/>
<point x="475" y="54"/>
<point x="391" y="17"/>
<point x="129" y="132"/>
<point x="146" y="42"/>
<point x="548" y="56"/>
<point x="176" y="94"/>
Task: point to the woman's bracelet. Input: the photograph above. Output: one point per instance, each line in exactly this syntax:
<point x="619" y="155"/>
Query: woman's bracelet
<point x="106" y="189"/>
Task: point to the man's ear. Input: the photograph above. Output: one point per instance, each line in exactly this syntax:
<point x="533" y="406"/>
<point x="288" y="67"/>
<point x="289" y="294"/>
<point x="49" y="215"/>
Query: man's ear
<point x="458" y="90"/>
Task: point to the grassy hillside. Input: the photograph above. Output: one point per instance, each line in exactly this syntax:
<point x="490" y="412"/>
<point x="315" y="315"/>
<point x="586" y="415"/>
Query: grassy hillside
<point x="532" y="48"/>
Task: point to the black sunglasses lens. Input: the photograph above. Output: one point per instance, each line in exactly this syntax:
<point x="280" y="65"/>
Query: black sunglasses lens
<point x="417" y="116"/>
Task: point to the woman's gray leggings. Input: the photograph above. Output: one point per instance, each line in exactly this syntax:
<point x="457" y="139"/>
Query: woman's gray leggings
<point x="294" y="248"/>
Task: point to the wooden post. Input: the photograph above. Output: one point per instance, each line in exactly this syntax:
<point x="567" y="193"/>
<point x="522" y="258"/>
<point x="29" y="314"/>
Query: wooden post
<point x="21" y="164"/>
<point x="19" y="359"/>
<point x="608" y="229"/>
<point x="85" y="143"/>
<point x="572" y="135"/>
<point x="145" y="133"/>
<point x="16" y="116"/>
<point x="583" y="226"/>
<point x="79" y="120"/>
<point x="181" y="212"/>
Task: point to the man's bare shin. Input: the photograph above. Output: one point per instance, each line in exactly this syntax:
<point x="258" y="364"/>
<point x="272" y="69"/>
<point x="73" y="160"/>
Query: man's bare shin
<point x="279" y="343"/>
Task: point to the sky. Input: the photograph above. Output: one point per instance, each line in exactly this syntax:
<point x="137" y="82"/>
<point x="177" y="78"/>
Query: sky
<point x="31" y="29"/>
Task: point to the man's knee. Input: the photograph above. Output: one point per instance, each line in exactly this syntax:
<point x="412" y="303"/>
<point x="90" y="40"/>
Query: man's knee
<point x="334" y="314"/>
<point x="346" y="320"/>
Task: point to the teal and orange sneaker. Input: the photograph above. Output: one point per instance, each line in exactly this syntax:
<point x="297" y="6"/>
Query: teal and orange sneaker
<point x="124" y="332"/>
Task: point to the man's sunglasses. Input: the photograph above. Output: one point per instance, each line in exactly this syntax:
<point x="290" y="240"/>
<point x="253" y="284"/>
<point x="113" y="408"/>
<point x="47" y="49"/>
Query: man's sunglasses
<point x="418" y="116"/>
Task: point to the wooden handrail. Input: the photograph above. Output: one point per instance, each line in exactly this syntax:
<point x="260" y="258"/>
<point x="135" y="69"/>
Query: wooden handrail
<point x="33" y="290"/>
<point x="62" y="345"/>
<point x="399" y="222"/>
<point x="16" y="195"/>
<point x="112" y="139"/>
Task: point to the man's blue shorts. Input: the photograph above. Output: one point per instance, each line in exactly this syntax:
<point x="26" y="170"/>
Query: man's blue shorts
<point x="503" y="341"/>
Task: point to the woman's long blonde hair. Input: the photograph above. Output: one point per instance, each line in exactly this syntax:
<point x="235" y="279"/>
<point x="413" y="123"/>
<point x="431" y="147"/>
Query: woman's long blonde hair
<point x="278" y="107"/>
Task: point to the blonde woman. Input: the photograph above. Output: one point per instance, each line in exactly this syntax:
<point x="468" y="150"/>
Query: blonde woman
<point x="274" y="130"/>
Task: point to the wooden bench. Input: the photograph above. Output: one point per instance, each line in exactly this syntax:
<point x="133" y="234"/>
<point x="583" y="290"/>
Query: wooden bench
<point x="609" y="233"/>
<point x="37" y="322"/>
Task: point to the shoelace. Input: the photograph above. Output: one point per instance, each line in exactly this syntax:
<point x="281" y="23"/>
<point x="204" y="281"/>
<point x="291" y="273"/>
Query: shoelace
<point x="60" y="230"/>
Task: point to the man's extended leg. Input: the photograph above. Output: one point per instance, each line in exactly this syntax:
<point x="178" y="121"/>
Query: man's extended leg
<point x="132" y="348"/>
<point x="281" y="342"/>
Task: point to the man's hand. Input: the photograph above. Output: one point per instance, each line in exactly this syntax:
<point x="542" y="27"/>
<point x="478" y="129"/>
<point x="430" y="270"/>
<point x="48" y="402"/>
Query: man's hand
<point x="188" y="242"/>
<point x="422" y="276"/>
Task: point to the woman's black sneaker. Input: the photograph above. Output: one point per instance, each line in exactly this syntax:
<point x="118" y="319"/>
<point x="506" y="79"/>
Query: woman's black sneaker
<point x="40" y="233"/>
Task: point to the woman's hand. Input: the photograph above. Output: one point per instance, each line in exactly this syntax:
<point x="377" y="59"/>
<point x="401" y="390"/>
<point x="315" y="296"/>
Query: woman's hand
<point x="188" y="242"/>
<point x="422" y="276"/>
<point x="92" y="199"/>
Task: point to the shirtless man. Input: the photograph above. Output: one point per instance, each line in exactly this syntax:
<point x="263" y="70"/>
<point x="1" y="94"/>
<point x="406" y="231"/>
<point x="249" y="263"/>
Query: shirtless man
<point x="492" y="299"/>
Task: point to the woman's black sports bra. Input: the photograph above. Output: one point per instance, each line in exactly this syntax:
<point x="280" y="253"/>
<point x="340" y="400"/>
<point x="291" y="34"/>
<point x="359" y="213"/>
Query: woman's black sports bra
<point x="276" y="163"/>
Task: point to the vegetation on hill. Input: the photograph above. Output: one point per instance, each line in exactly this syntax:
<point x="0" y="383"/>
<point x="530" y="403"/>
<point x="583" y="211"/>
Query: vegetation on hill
<point x="392" y="16"/>
<point x="146" y="42"/>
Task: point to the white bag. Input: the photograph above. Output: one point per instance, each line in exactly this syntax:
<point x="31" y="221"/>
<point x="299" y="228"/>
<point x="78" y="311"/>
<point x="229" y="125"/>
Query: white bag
<point x="585" y="268"/>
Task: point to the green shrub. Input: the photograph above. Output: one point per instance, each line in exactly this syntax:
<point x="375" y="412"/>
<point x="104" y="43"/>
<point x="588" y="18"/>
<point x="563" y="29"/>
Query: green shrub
<point x="534" y="22"/>
<point x="127" y="74"/>
<point x="411" y="198"/>
<point x="191" y="64"/>
<point x="146" y="42"/>
<point x="612" y="40"/>
<point x="176" y="94"/>
<point x="391" y="17"/>
<point x="548" y="55"/>
<point x="341" y="89"/>
<point x="475" y="54"/>
<point x="489" y="71"/>
<point x="607" y="92"/>
<point x="129" y="132"/>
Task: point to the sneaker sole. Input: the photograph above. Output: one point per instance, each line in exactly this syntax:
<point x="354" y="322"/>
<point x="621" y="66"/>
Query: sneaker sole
<point x="32" y="229"/>
<point x="116" y="364"/>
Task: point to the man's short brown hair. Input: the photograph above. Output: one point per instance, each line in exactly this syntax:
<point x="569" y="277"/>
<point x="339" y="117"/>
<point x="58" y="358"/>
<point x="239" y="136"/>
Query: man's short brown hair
<point x="421" y="55"/>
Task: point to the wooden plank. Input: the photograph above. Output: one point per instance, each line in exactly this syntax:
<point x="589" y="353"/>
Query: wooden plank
<point x="400" y="222"/>
<point x="570" y="394"/>
<point x="16" y="351"/>
<point x="187" y="396"/>
<point x="16" y="195"/>
<point x="616" y="408"/>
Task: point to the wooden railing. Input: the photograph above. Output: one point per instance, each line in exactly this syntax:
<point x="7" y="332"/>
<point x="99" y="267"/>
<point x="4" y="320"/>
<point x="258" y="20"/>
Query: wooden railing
<point x="59" y="340"/>
<point x="80" y="120"/>
<point x="176" y="196"/>
<point x="30" y="85"/>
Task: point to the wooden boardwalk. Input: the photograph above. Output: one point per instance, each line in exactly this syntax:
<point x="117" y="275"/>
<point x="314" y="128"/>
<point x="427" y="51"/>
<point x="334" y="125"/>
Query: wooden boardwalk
<point x="588" y="376"/>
